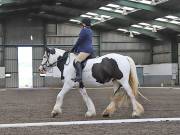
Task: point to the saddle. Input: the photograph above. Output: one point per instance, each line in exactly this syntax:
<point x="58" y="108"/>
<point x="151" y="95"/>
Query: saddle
<point x="61" y="61"/>
<point x="83" y="63"/>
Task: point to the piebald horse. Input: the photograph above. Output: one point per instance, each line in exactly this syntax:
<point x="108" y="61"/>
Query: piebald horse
<point x="111" y="69"/>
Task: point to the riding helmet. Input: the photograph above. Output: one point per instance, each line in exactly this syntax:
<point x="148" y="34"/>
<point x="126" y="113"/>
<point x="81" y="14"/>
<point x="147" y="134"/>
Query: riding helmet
<point x="86" y="21"/>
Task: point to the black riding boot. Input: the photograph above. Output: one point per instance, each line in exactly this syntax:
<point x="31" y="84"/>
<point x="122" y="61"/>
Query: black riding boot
<point x="78" y="68"/>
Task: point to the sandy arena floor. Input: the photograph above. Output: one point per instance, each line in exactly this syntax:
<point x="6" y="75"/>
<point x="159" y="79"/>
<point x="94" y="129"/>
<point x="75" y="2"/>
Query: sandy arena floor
<point x="33" y="106"/>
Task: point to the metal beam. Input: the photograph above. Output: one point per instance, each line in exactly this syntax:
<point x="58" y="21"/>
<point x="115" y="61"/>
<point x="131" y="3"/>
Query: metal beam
<point x="139" y="6"/>
<point x="61" y="10"/>
<point x="148" y="33"/>
<point x="166" y="24"/>
<point x="117" y="15"/>
<point x="49" y="17"/>
<point x="145" y="32"/>
<point x="134" y="21"/>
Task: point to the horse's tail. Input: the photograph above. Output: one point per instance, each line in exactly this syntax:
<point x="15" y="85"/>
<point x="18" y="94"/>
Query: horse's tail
<point x="133" y="79"/>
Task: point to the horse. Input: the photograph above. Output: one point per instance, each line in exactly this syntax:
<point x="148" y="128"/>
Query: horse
<point x="111" y="70"/>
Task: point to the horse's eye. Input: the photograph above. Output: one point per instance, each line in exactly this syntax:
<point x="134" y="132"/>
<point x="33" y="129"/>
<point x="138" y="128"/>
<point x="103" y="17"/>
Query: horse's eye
<point x="44" y="57"/>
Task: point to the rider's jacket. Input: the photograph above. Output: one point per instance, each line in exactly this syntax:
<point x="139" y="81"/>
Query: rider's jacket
<point x="84" y="42"/>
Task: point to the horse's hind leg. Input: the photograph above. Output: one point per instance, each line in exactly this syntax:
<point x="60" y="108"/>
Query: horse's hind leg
<point x="111" y="108"/>
<point x="91" y="108"/>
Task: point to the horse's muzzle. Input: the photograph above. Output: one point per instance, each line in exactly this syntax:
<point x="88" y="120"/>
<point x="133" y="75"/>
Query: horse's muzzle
<point x="42" y="70"/>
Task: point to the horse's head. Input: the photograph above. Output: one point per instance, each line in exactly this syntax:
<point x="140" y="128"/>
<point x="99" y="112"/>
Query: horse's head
<point x="49" y="59"/>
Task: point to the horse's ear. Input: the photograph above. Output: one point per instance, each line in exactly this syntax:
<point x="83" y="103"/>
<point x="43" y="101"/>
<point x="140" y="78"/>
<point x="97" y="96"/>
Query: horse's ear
<point x="52" y="51"/>
<point x="47" y="49"/>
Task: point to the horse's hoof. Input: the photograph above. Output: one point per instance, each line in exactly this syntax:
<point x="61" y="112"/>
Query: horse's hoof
<point x="89" y="114"/>
<point x="53" y="115"/>
<point x="106" y="115"/>
<point x="135" y="115"/>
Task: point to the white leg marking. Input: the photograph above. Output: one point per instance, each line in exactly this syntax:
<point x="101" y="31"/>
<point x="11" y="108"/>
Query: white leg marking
<point x="89" y="103"/>
<point x="132" y="97"/>
<point x="59" y="101"/>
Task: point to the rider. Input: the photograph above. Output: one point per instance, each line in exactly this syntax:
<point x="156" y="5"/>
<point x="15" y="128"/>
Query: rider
<point x="83" y="47"/>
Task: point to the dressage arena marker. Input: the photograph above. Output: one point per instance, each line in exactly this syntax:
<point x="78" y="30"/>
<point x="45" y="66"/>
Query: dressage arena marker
<point x="2" y="90"/>
<point x="21" y="125"/>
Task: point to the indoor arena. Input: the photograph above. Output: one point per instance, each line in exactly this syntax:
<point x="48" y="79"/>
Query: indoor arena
<point x="89" y="67"/>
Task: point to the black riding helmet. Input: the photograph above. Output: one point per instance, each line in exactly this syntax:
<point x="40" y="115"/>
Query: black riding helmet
<point x="86" y="21"/>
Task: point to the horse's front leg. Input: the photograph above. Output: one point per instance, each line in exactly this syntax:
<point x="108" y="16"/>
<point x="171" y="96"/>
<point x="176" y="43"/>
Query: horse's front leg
<point x="90" y="105"/>
<point x="111" y="108"/>
<point x="59" y="101"/>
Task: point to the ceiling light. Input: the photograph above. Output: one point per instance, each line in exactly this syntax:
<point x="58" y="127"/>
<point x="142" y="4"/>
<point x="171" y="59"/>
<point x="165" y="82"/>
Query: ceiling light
<point x="149" y="28"/>
<point x="73" y="20"/>
<point x="175" y="22"/>
<point x="105" y="8"/>
<point x="124" y="30"/>
<point x="145" y="24"/>
<point x="135" y="32"/>
<point x="88" y="16"/>
<point x="118" y="11"/>
<point x="142" y="1"/>
<point x="137" y="26"/>
<point x="113" y="5"/>
<point x="129" y="8"/>
<point x="162" y="19"/>
<point x="171" y="17"/>
<point x="93" y="14"/>
<point x="106" y="16"/>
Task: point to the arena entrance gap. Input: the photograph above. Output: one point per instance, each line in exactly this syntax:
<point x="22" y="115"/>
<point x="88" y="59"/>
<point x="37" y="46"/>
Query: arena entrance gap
<point x="25" y="67"/>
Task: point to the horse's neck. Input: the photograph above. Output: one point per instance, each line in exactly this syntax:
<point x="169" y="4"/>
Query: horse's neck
<point x="59" y="52"/>
<point x="73" y="56"/>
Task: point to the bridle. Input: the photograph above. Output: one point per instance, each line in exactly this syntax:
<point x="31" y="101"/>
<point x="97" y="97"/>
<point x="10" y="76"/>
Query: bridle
<point x="47" y="63"/>
<point x="61" y="61"/>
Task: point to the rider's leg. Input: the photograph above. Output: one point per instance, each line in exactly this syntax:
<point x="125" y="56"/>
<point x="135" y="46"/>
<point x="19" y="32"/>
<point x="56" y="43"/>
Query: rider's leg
<point x="77" y="64"/>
